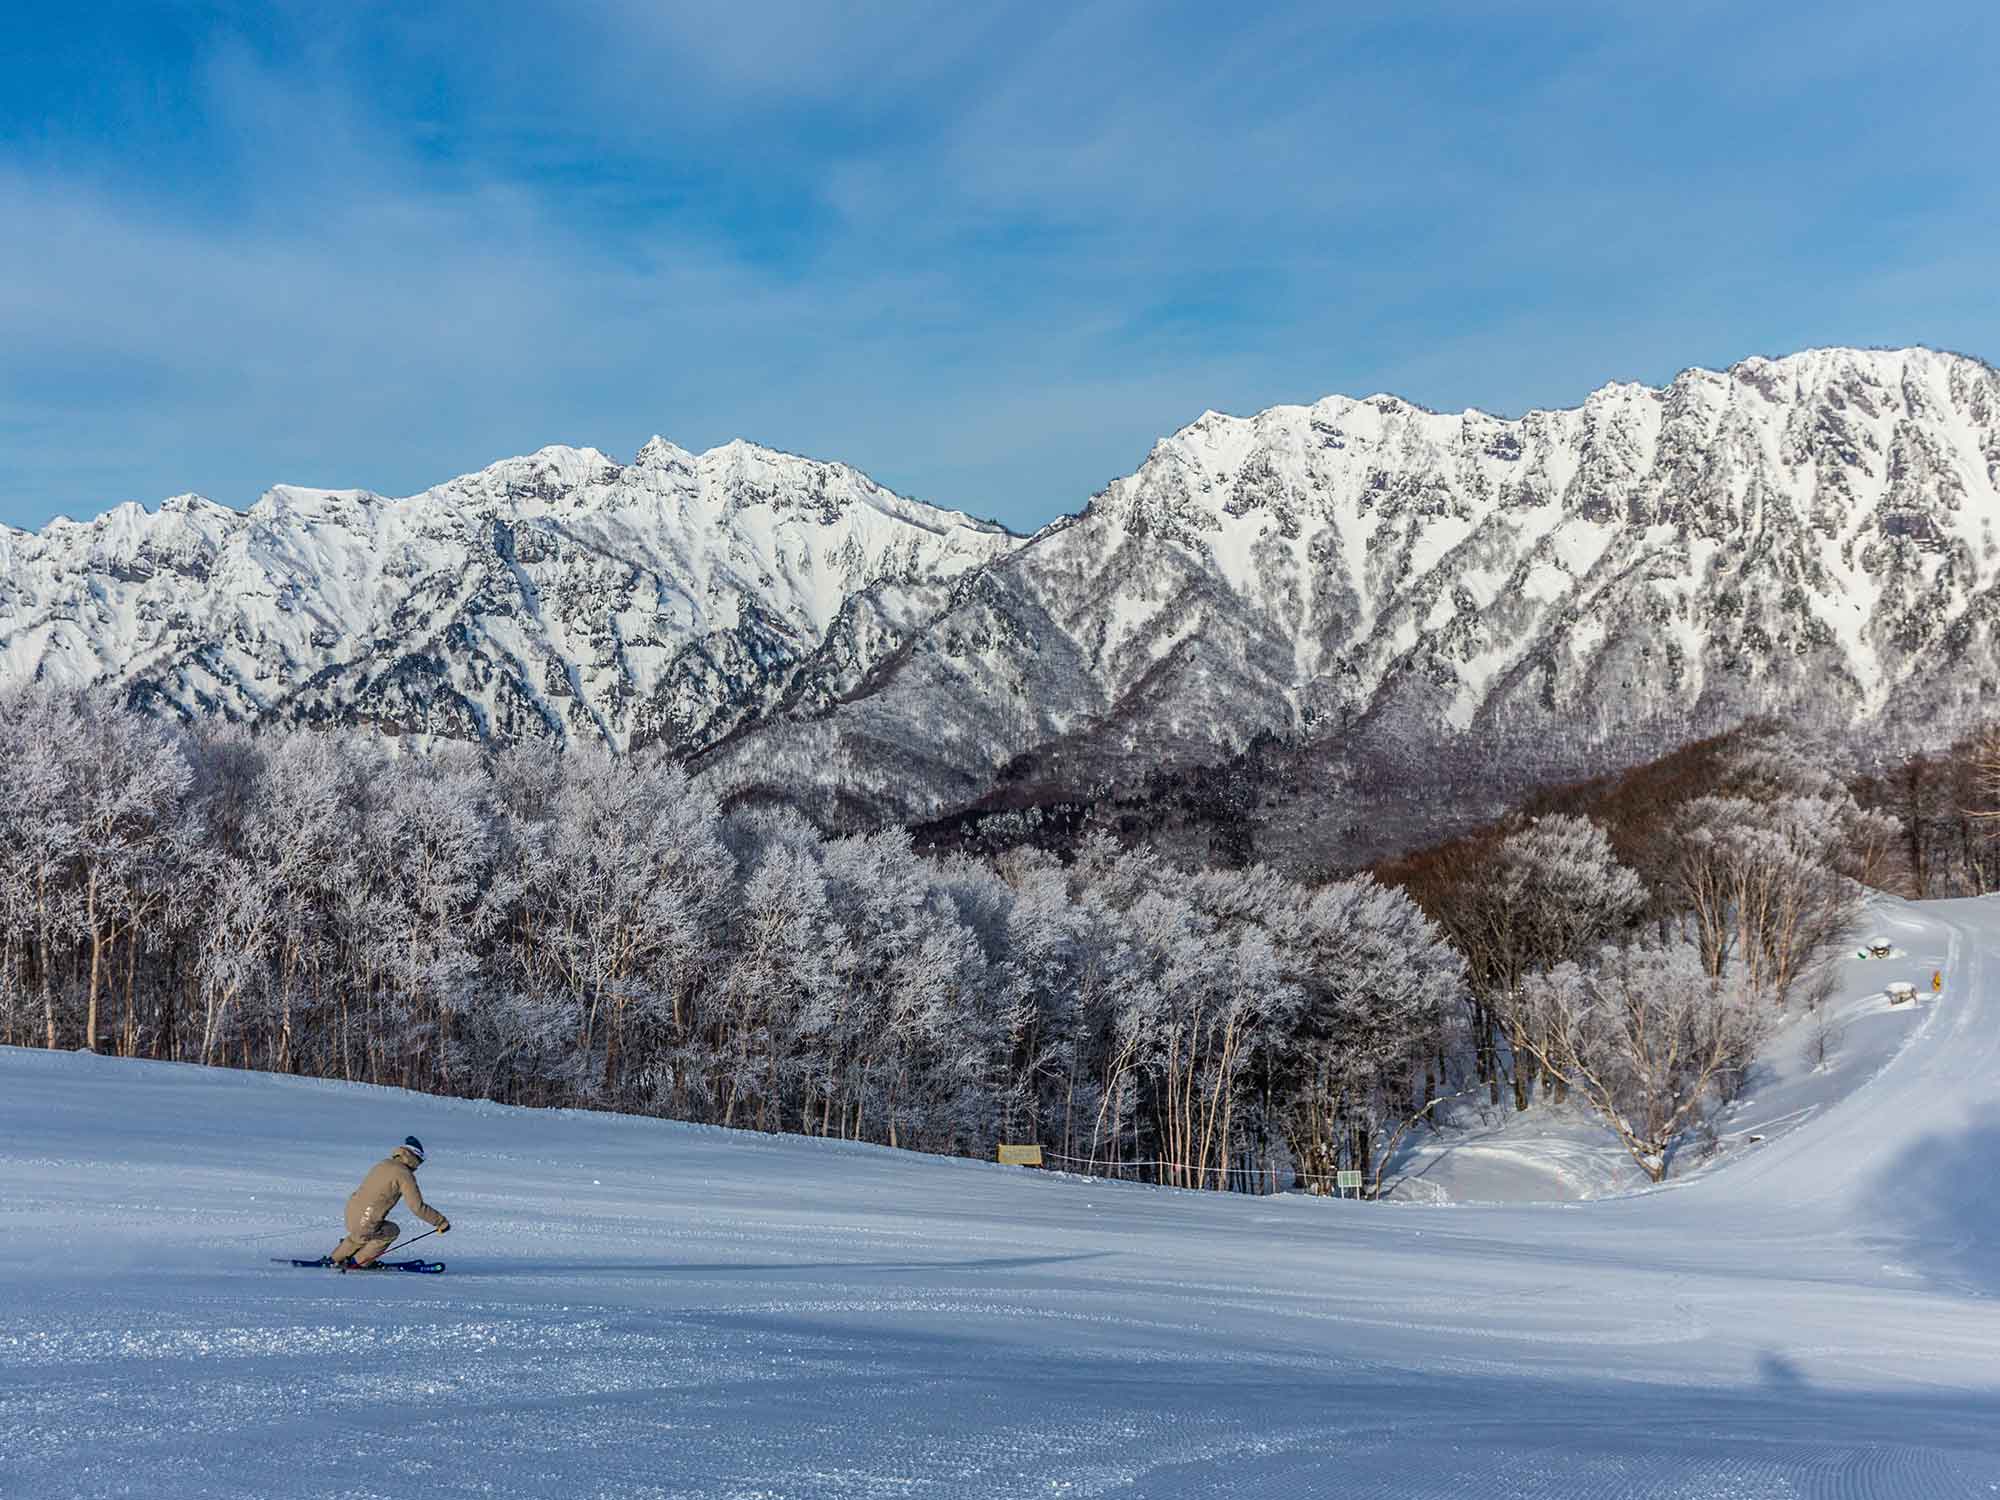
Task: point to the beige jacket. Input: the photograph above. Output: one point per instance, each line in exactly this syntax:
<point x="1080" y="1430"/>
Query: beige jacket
<point x="388" y="1180"/>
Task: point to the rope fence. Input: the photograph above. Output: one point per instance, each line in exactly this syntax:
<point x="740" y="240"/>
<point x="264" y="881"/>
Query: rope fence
<point x="1237" y="1179"/>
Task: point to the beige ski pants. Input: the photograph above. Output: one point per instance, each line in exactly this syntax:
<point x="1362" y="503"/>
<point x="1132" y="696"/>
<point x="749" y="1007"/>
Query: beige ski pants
<point x="365" y="1241"/>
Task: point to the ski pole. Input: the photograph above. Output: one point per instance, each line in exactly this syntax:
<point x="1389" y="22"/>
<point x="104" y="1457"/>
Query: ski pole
<point x="410" y="1241"/>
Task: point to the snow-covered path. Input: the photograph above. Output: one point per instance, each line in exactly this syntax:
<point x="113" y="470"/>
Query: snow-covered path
<point x="643" y="1309"/>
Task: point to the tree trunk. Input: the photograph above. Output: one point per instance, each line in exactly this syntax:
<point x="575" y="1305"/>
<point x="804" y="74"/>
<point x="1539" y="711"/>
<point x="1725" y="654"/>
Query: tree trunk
<point x="42" y="933"/>
<point x="128" y="1040"/>
<point x="96" y="961"/>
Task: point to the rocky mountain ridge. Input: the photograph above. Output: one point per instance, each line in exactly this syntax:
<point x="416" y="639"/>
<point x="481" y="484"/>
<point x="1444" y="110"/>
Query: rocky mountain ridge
<point x="1414" y="602"/>
<point x="1438" y="610"/>
<point x="560" y="595"/>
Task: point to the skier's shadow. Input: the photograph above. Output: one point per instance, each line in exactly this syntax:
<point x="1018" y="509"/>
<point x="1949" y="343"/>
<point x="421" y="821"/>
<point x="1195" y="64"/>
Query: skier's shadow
<point x="761" y="1268"/>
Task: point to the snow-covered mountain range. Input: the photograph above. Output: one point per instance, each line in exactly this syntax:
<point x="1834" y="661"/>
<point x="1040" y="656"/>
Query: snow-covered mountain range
<point x="1429" y="602"/>
<point x="1814" y="534"/>
<point x="560" y="595"/>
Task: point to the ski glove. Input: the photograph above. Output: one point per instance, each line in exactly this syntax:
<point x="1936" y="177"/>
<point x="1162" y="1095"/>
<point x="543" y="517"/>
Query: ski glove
<point x="444" y="1225"/>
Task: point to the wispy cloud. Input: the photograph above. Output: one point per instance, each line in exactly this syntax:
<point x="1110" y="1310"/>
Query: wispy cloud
<point x="988" y="253"/>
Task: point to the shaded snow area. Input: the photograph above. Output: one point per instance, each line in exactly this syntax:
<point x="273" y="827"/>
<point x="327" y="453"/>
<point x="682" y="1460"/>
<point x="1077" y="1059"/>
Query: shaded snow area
<point x="644" y="1309"/>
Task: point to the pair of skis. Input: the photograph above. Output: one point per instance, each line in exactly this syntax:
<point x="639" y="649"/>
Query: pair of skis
<point x="325" y="1263"/>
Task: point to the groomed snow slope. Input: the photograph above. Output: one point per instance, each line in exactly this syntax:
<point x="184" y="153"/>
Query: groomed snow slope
<point x="643" y="1309"/>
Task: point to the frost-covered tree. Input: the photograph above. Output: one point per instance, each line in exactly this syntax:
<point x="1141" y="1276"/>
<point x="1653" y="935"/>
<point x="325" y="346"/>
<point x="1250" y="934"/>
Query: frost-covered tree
<point x="1215" y="983"/>
<point x="1763" y="870"/>
<point x="433" y="841"/>
<point x="903" y="1040"/>
<point x="623" y="878"/>
<point x="1646" y="1035"/>
<point x="1188" y="1012"/>
<point x="1079" y="991"/>
<point x="784" y="979"/>
<point x="1379" y="1000"/>
<point x="1543" y="894"/>
<point x="41" y="841"/>
<point x="295" y="839"/>
<point x="128" y="779"/>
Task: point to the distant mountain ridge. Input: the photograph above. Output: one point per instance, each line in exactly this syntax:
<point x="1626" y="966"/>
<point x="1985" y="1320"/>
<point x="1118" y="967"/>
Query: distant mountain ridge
<point x="1392" y="592"/>
<point x="560" y="595"/>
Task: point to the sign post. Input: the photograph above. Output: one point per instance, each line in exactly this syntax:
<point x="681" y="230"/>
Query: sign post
<point x="1344" y="1180"/>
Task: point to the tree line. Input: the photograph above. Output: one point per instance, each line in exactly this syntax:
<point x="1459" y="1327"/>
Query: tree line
<point x="1944" y="802"/>
<point x="579" y="929"/>
<point x="587" y="930"/>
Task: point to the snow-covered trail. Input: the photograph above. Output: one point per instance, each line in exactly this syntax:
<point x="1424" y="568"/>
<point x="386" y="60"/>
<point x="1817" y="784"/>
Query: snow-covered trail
<point x="1901" y="1174"/>
<point x="643" y="1309"/>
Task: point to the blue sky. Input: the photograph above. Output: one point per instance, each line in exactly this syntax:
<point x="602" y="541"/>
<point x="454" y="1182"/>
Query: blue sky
<point x="988" y="253"/>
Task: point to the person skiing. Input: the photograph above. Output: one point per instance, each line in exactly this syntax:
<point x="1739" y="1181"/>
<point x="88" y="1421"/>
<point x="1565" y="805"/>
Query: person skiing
<point x="370" y="1230"/>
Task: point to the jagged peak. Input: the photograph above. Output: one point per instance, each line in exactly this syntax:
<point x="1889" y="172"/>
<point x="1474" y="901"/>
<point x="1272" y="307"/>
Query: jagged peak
<point x="739" y="454"/>
<point x="1883" y="362"/>
<point x="127" y="516"/>
<point x="741" y="459"/>
<point x="1194" y="479"/>
<point x="567" y="465"/>
<point x="1215" y="440"/>
<point x="658" y="452"/>
<point x="1827" y="362"/>
<point x="743" y="453"/>
<point x="280" y="498"/>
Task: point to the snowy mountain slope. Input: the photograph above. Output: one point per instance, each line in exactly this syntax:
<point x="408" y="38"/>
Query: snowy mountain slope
<point x="1817" y="535"/>
<point x="638" y="1308"/>
<point x="1431" y="609"/>
<point x="559" y="595"/>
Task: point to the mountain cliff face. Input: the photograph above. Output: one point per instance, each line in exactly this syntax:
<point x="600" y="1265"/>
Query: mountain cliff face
<point x="1438" y="604"/>
<point x="558" y="596"/>
<point x="1403" y="597"/>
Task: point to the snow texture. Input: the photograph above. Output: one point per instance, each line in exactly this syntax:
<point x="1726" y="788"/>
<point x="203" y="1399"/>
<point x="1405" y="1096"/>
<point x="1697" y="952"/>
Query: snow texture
<point x="637" y="1308"/>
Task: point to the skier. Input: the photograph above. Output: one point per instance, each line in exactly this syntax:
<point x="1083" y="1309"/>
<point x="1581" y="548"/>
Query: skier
<point x="369" y="1229"/>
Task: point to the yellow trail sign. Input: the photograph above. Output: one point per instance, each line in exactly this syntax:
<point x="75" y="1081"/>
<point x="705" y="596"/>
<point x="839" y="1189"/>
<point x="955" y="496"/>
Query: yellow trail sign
<point x="1020" y="1156"/>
